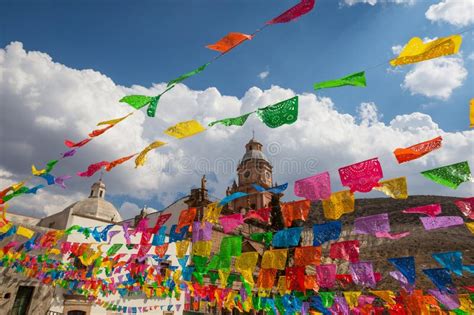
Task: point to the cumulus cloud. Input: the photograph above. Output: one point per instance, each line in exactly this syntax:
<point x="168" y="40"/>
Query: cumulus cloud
<point x="72" y="101"/>
<point x="456" y="12"/>
<point x="263" y="75"/>
<point x="436" y="78"/>
<point x="374" y="2"/>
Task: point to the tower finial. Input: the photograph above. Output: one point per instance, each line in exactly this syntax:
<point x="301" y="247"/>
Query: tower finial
<point x="253" y="134"/>
<point x="101" y="175"/>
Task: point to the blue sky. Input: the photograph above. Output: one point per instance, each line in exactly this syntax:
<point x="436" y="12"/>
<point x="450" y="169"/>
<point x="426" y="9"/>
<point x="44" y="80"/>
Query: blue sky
<point x="128" y="43"/>
<point x="145" y="42"/>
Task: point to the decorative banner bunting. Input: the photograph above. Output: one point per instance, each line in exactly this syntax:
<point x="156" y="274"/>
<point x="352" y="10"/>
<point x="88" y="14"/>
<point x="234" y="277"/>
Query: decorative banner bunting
<point x="229" y="42"/>
<point x="395" y="187"/>
<point x="307" y="255"/>
<point x="98" y="132"/>
<point x="354" y="79"/>
<point x="92" y="169"/>
<point x="231" y="197"/>
<point x="450" y="301"/>
<point x="466" y="206"/>
<point x="274" y="259"/>
<point x="340" y="306"/>
<point x="186" y="218"/>
<point x="387" y="296"/>
<point x="303" y="7"/>
<point x="212" y="212"/>
<point x="432" y="210"/>
<point x="397" y="275"/>
<point x="187" y="75"/>
<point x="60" y="180"/>
<point x="363" y="274"/>
<point x="141" y="158"/>
<point x="352" y="298"/>
<point x="441" y="278"/>
<point x="339" y="203"/>
<point x="451" y="175"/>
<point x="202" y="231"/>
<point x="276" y="190"/>
<point x="185" y="129"/>
<point x="49" y="167"/>
<point x="325" y="232"/>
<point x="450" y="260"/>
<point x="262" y="215"/>
<point x="395" y="236"/>
<point x="418" y="150"/>
<point x="314" y="188"/>
<point x="326" y="275"/>
<point x="266" y="237"/>
<point x="362" y="176"/>
<point x="266" y="278"/>
<point x="236" y="121"/>
<point x="406" y="265"/>
<point x="417" y="51"/>
<point x="285" y="112"/>
<point x="470" y="226"/>
<point x="372" y="224"/>
<point x="296" y="210"/>
<point x="347" y="250"/>
<point x="79" y="144"/>
<point x="119" y="161"/>
<point x="230" y="222"/>
<point x="69" y="153"/>
<point x="287" y="237"/>
<point x="22" y="231"/>
<point x="114" y="121"/>
<point x="432" y="223"/>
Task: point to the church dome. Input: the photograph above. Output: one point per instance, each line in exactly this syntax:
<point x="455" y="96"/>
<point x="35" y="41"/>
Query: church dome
<point x="253" y="150"/>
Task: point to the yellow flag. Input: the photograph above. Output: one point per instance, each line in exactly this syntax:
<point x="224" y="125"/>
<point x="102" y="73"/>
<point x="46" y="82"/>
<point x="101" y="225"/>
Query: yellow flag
<point x="417" y="51"/>
<point x="246" y="261"/>
<point x="471" y="113"/>
<point x="185" y="129"/>
<point x="182" y="248"/>
<point x="395" y="187"/>
<point x="202" y="248"/>
<point x="466" y="304"/>
<point x="386" y="295"/>
<point x="282" y="286"/>
<point x="212" y="212"/>
<point x="352" y="298"/>
<point x="17" y="186"/>
<point x="37" y="172"/>
<point x="5" y="228"/>
<point x="338" y="203"/>
<point x="223" y="276"/>
<point x="470" y="226"/>
<point x="274" y="259"/>
<point x="23" y="231"/>
<point x="114" y="121"/>
<point x="141" y="158"/>
<point x="248" y="277"/>
<point x="54" y="251"/>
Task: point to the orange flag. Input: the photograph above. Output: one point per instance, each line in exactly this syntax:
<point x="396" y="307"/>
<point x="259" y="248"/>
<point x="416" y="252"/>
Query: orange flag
<point x="186" y="217"/>
<point x="296" y="210"/>
<point x="307" y="255"/>
<point x="229" y="41"/>
<point x="418" y="150"/>
<point x="118" y="161"/>
<point x="266" y="278"/>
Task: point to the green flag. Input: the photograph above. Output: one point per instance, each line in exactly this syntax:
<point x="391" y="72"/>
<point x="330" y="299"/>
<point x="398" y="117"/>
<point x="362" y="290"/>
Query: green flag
<point x="137" y="101"/>
<point x="187" y="75"/>
<point x="50" y="165"/>
<point x="266" y="237"/>
<point x="282" y="113"/>
<point x="451" y="175"/>
<point x="114" y="249"/>
<point x="235" y="121"/>
<point x="327" y="298"/>
<point x="355" y="79"/>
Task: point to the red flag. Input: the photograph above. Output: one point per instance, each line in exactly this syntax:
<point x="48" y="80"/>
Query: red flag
<point x="294" y="12"/>
<point x="92" y="169"/>
<point x="418" y="150"/>
<point x="71" y="144"/>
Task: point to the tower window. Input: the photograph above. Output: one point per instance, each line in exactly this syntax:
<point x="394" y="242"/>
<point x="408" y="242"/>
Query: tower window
<point x="101" y="193"/>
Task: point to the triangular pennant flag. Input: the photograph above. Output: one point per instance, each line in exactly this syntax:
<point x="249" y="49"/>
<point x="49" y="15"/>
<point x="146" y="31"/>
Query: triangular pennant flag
<point x="354" y="79"/>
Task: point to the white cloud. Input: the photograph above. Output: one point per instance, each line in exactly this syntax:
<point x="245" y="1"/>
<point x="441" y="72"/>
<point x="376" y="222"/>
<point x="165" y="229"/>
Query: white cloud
<point x="471" y="56"/>
<point x="32" y="85"/>
<point x="456" y="12"/>
<point x="374" y="2"/>
<point x="397" y="49"/>
<point x="263" y="75"/>
<point x="436" y="78"/>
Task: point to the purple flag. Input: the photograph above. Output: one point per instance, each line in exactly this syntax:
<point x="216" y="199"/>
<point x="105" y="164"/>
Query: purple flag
<point x="397" y="275"/>
<point x="372" y="224"/>
<point x="363" y="274"/>
<point x="433" y="223"/>
<point x="61" y="179"/>
<point x="69" y="153"/>
<point x="314" y="188"/>
<point x="202" y="231"/>
<point x="340" y="306"/>
<point x="451" y="301"/>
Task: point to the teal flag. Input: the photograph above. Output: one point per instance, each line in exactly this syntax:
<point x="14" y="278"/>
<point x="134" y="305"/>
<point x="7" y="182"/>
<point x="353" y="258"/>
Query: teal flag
<point x="355" y="79"/>
<point x="187" y="75"/>
<point x="451" y="175"/>
<point x="235" y="121"/>
<point x="285" y="112"/>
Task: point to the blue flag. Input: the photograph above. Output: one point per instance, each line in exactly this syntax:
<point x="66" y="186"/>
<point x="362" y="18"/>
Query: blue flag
<point x="287" y="238"/>
<point x="317" y="304"/>
<point x="406" y="265"/>
<point x="234" y="196"/>
<point x="326" y="232"/>
<point x="441" y="278"/>
<point x="450" y="260"/>
<point x="177" y="236"/>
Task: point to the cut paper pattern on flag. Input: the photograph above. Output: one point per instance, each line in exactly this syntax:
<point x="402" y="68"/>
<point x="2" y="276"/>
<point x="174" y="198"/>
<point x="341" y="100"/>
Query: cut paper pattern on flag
<point x="352" y="298"/>
<point x="187" y="75"/>
<point x="417" y="51"/>
<point x="418" y="150"/>
<point x="274" y="259"/>
<point x="326" y="275"/>
<point x="262" y="215"/>
<point x="231" y="222"/>
<point x="346" y="250"/>
<point x="79" y="144"/>
<point x="397" y="275"/>
<point x="296" y="210"/>
<point x="432" y="210"/>
<point x="141" y="158"/>
<point x="92" y="169"/>
<point x="303" y="7"/>
<point x="287" y="237"/>
<point x="307" y="255"/>
<point x="285" y="112"/>
<point x="451" y="175"/>
<point x="441" y="278"/>
<point x="450" y="260"/>
<point x="295" y="277"/>
<point x="119" y="161"/>
<point x="186" y="218"/>
<point x="433" y="223"/>
<point x="235" y="121"/>
<point x="266" y="278"/>
<point x="372" y="224"/>
<point x="466" y="206"/>
<point x="229" y="42"/>
<point x="395" y="188"/>
<point x="212" y="212"/>
<point x="314" y="188"/>
<point x="362" y="176"/>
<point x="231" y="197"/>
<point x="202" y="231"/>
<point x="325" y="232"/>
<point x="185" y="129"/>
<point x="202" y="248"/>
<point x="406" y="265"/>
<point x="354" y="79"/>
<point x="450" y="301"/>
<point x="266" y="237"/>
<point x="363" y="274"/>
<point x="339" y="203"/>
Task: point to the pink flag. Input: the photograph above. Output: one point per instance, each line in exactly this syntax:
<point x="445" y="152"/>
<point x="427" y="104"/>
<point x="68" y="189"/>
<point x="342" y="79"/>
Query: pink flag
<point x="432" y="223"/>
<point x="294" y="12"/>
<point x="230" y="222"/>
<point x="363" y="274"/>
<point x="314" y="188"/>
<point x="362" y="176"/>
<point x="347" y="250"/>
<point x="71" y="144"/>
<point x="326" y="275"/>
<point x="466" y="206"/>
<point x="262" y="215"/>
<point x="92" y="169"/>
<point x="431" y="210"/>
<point x="394" y="236"/>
